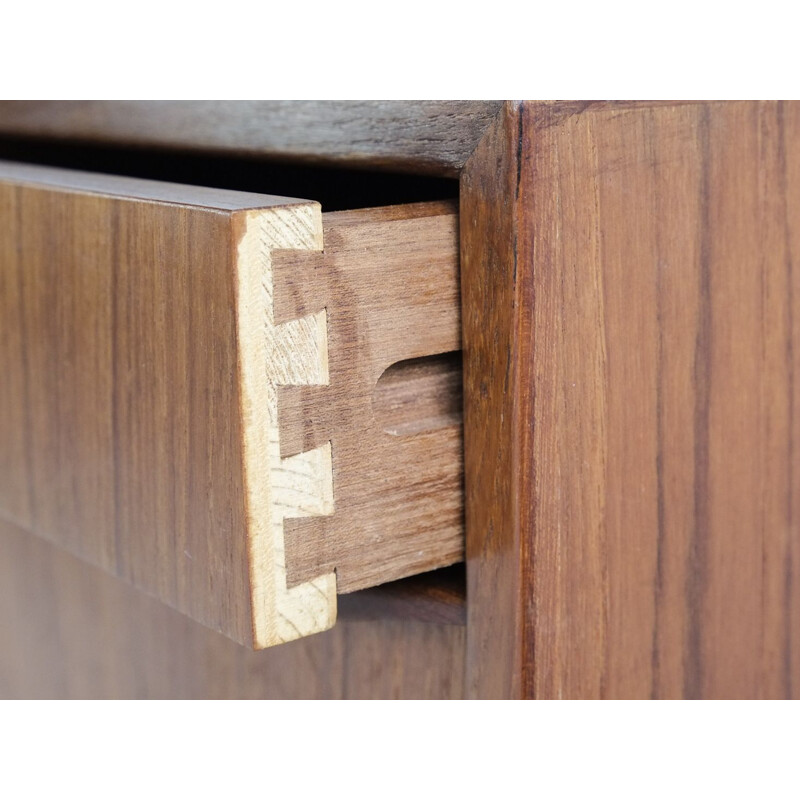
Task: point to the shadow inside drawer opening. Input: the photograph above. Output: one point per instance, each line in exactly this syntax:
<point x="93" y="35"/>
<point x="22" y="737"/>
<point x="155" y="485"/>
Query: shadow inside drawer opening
<point x="337" y="189"/>
<point x="411" y="397"/>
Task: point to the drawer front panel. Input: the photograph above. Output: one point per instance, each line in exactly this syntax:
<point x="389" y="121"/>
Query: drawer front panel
<point x="139" y="419"/>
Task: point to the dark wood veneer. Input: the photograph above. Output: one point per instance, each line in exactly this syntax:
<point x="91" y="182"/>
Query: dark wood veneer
<point x="631" y="365"/>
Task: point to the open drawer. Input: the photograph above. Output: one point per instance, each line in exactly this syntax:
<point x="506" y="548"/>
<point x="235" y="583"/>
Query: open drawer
<point x="237" y="403"/>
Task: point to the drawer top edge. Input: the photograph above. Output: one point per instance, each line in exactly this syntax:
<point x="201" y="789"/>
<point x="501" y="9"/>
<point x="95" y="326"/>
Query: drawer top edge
<point x="123" y="187"/>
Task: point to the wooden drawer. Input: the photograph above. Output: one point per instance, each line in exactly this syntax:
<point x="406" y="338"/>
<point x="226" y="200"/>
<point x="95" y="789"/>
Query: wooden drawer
<point x="226" y="398"/>
<point x="631" y="362"/>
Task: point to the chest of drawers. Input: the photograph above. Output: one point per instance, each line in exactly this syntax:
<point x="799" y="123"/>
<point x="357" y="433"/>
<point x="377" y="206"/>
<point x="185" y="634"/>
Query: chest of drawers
<point x="622" y="482"/>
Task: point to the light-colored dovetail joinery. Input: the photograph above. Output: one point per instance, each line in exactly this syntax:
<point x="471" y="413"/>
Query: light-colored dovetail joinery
<point x="391" y="411"/>
<point x="138" y="409"/>
<point x="199" y="399"/>
<point x="292" y="353"/>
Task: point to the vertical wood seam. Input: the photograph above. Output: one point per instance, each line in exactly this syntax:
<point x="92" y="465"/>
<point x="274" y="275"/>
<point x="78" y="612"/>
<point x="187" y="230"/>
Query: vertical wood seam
<point x="696" y="572"/>
<point x="789" y="355"/>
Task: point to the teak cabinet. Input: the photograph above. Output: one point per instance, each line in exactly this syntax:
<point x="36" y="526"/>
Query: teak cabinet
<point x="227" y="416"/>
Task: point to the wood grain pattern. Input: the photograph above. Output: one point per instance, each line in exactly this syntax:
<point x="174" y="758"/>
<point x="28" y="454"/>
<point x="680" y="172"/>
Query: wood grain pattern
<point x="69" y="630"/>
<point x="388" y="279"/>
<point x="643" y="295"/>
<point x="489" y="213"/>
<point x="271" y="354"/>
<point x="133" y="312"/>
<point x="630" y="326"/>
<point x="426" y="136"/>
<point x="420" y="394"/>
<point x="147" y="356"/>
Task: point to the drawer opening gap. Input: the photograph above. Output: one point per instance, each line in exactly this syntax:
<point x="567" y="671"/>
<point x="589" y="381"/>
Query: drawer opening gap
<point x="335" y="188"/>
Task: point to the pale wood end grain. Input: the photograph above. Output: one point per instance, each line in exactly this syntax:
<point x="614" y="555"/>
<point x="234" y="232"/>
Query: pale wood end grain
<point x="138" y="423"/>
<point x="192" y="399"/>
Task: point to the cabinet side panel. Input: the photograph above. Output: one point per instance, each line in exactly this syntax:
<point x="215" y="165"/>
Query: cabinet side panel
<point x="658" y="267"/>
<point x="630" y="311"/>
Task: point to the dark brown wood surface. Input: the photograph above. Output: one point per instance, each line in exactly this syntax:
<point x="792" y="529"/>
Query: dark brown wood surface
<point x="631" y="402"/>
<point x="423" y="136"/>
<point x="490" y="217"/>
<point x="103" y="436"/>
<point x="388" y="279"/>
<point x="139" y="424"/>
<point x="630" y="292"/>
<point x="68" y="630"/>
